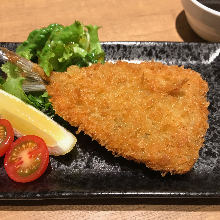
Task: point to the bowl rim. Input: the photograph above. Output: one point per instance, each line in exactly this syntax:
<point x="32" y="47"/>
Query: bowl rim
<point x="212" y="11"/>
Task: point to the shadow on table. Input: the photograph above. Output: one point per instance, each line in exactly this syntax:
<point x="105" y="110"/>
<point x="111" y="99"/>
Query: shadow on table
<point x="185" y="31"/>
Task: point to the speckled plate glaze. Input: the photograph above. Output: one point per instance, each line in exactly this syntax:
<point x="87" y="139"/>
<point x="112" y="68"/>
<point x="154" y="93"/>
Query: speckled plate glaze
<point x="89" y="171"/>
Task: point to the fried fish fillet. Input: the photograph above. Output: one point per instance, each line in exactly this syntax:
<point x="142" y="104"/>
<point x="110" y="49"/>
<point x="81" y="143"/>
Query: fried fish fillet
<point x="150" y="112"/>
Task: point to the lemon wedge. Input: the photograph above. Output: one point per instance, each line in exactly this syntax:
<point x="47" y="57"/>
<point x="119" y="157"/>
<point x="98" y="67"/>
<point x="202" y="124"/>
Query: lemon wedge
<point x="27" y="120"/>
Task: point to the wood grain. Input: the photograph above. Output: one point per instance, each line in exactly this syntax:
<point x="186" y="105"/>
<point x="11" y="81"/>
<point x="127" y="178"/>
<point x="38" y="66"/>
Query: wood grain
<point x="122" y="212"/>
<point x="128" y="20"/>
<point x="125" y="20"/>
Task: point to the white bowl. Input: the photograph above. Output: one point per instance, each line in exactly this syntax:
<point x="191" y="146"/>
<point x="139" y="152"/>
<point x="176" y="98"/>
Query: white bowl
<point x="203" y="20"/>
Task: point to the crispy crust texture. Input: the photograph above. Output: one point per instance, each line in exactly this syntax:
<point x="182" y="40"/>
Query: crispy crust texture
<point x="150" y="112"/>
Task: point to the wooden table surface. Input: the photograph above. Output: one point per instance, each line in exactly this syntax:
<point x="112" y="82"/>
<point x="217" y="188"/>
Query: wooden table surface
<point x="128" y="20"/>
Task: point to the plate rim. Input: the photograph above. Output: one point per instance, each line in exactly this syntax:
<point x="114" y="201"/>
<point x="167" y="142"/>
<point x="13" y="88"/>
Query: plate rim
<point x="116" y="194"/>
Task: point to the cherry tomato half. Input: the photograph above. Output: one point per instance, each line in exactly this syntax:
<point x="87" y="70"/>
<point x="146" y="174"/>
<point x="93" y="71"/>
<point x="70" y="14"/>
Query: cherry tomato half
<point x="26" y="159"/>
<point x="6" y="136"/>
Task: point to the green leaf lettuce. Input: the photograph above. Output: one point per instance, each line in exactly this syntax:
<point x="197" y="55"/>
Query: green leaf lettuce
<point x="56" y="47"/>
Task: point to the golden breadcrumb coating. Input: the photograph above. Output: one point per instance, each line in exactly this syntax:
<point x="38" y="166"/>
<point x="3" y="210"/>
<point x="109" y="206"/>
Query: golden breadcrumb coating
<point x="150" y="112"/>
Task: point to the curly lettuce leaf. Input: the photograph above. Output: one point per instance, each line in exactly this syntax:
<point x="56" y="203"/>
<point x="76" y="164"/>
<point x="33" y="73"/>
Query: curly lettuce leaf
<point x="35" y="42"/>
<point x="11" y="70"/>
<point x="94" y="39"/>
<point x="13" y="83"/>
<point x="56" y="47"/>
<point x="14" y="87"/>
<point x="2" y="80"/>
<point x="41" y="102"/>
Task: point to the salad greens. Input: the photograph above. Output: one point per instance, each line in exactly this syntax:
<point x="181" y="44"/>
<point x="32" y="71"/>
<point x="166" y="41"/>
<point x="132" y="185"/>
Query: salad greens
<point x="54" y="48"/>
<point x="13" y="82"/>
<point x="41" y="102"/>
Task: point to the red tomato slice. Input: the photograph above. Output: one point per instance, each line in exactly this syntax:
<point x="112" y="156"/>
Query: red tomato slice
<point x="26" y="159"/>
<point x="6" y="136"/>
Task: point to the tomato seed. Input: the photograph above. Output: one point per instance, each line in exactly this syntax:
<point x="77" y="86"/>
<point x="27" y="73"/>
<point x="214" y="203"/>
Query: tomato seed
<point x="26" y="171"/>
<point x="16" y="157"/>
<point x="18" y="149"/>
<point x="2" y="133"/>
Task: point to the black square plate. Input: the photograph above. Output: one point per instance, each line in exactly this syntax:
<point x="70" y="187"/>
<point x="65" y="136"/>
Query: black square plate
<point x="89" y="171"/>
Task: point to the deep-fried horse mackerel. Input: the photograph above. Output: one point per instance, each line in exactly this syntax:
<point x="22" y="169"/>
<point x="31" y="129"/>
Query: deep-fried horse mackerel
<point x="151" y="113"/>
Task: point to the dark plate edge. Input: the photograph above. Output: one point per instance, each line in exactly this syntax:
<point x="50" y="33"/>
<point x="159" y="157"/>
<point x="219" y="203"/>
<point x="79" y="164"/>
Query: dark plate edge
<point x="110" y="195"/>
